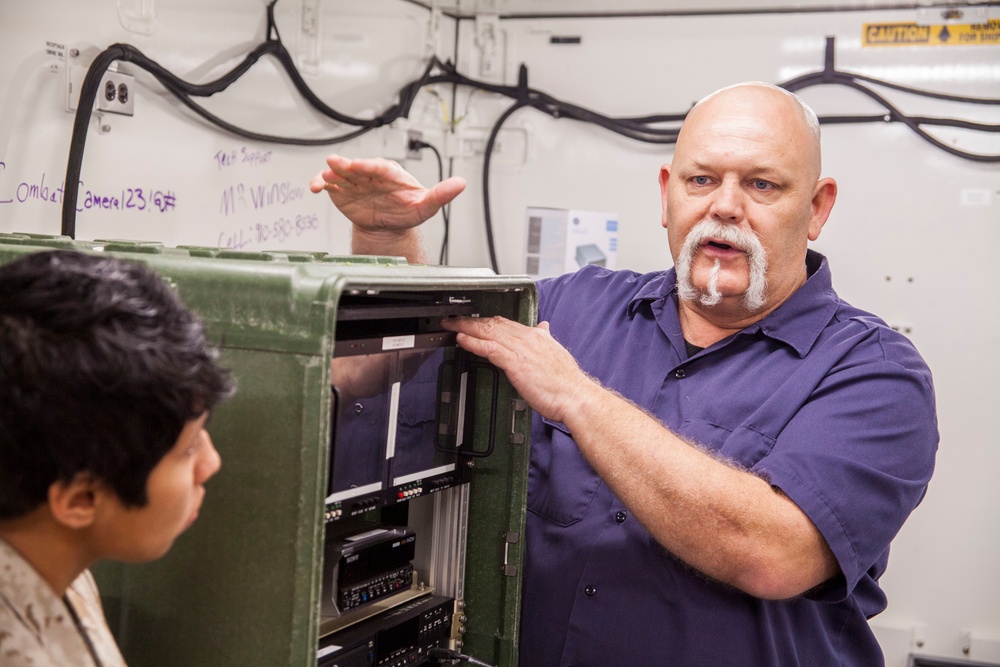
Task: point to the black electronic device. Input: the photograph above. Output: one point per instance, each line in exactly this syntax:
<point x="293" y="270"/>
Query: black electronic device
<point x="360" y="569"/>
<point x="403" y="398"/>
<point x="400" y="637"/>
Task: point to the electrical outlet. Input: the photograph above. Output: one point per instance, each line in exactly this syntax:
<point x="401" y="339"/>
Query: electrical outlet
<point x="397" y="143"/>
<point x="412" y="152"/>
<point x="116" y="93"/>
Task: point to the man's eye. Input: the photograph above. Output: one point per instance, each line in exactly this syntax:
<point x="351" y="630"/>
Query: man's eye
<point x="700" y="180"/>
<point x="761" y="184"/>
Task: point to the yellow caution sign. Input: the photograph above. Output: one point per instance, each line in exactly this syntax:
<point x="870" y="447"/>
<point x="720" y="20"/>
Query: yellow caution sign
<point x="912" y="34"/>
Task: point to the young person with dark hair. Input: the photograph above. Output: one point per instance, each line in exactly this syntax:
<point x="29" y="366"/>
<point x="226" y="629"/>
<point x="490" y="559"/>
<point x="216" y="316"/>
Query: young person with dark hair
<point x="106" y="382"/>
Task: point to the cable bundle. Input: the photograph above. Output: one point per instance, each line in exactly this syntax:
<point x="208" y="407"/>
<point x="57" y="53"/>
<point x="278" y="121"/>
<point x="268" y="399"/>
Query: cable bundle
<point x="646" y="129"/>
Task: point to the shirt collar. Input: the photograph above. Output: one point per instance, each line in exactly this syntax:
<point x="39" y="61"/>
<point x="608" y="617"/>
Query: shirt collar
<point x="797" y="322"/>
<point x="26" y="592"/>
<point x="660" y="287"/>
<point x="45" y="618"/>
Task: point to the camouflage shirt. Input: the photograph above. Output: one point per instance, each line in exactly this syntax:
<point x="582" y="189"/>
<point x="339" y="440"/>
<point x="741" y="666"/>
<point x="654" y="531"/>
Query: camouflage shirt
<point x="38" y="629"/>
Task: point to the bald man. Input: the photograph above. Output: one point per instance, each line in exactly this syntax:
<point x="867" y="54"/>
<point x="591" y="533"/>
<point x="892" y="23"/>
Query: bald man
<point x="721" y="452"/>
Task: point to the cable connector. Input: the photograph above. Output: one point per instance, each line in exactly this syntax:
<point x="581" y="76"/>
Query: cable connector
<point x="417" y="145"/>
<point x="401" y="143"/>
<point x="442" y="655"/>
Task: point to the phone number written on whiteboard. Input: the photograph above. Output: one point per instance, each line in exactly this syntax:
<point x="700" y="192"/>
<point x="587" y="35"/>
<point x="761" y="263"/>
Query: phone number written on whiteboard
<point x="278" y="231"/>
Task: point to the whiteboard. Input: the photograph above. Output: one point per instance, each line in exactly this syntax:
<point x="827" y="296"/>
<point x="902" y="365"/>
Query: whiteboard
<point x="165" y="174"/>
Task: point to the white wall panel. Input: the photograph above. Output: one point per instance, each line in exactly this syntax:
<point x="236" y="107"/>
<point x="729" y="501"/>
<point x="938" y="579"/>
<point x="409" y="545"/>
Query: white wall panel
<point x="225" y="190"/>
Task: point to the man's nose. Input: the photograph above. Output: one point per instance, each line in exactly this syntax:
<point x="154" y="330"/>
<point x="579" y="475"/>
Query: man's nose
<point x="210" y="462"/>
<point x="728" y="201"/>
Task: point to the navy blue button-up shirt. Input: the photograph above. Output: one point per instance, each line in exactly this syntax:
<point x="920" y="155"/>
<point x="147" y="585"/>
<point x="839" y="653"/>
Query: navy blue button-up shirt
<point x="823" y="400"/>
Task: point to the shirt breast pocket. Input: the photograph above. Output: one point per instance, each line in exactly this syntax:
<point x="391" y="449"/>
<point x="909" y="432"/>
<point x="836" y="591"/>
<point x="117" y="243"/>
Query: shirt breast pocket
<point x="562" y="484"/>
<point x="741" y="445"/>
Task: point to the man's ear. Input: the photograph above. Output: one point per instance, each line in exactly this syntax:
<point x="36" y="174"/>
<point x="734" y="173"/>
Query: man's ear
<point x="823" y="197"/>
<point x="74" y="503"/>
<point x="664" y="177"/>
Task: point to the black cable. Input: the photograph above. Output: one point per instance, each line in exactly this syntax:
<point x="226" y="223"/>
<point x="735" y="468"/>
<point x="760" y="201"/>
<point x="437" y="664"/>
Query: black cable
<point x="85" y="106"/>
<point x="894" y="115"/>
<point x="830" y="75"/>
<point x="920" y="120"/>
<point x="633" y="128"/>
<point x="272" y="26"/>
<point x="184" y="90"/>
<point x="420" y="145"/>
<point x="131" y="54"/>
<point x="487" y="158"/>
<point x="257" y="136"/>
<point x="441" y="655"/>
<point x="272" y="48"/>
<point x="641" y="128"/>
<point x="926" y="93"/>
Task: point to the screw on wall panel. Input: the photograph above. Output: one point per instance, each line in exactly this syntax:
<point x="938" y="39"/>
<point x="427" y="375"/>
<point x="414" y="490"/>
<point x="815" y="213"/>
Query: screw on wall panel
<point x="105" y="128"/>
<point x="888" y="278"/>
<point x="910" y="279"/>
<point x="966" y="641"/>
<point x="74" y="53"/>
<point x="918" y="634"/>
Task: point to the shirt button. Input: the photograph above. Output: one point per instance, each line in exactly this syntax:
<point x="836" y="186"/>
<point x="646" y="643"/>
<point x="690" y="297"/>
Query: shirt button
<point x="620" y="517"/>
<point x="590" y="591"/>
<point x="680" y="373"/>
<point x="358" y="408"/>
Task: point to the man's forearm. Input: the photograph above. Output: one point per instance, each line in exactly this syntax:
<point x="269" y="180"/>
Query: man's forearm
<point x="405" y="243"/>
<point x="725" y="522"/>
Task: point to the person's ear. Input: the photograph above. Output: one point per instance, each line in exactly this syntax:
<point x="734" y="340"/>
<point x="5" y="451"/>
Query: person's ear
<point x="823" y="197"/>
<point x="74" y="503"/>
<point x="664" y="178"/>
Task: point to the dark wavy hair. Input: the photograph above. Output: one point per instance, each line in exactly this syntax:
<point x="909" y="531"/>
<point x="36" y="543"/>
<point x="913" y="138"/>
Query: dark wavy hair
<point x="101" y="366"/>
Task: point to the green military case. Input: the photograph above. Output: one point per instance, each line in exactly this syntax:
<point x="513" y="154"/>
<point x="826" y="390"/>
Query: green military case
<point x="242" y="586"/>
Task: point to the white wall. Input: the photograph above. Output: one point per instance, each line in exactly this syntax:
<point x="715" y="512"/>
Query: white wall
<point x="911" y="238"/>
<point x="366" y="52"/>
